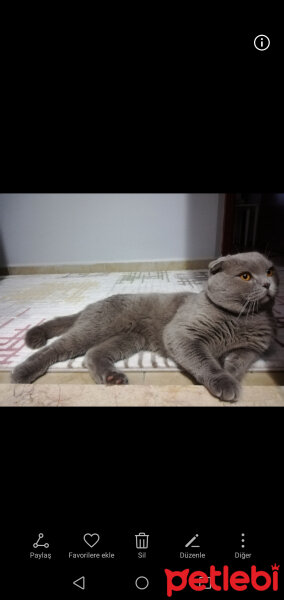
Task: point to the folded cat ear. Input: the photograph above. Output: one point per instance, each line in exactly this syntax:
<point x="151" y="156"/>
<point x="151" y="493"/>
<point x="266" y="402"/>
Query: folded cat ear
<point x="217" y="265"/>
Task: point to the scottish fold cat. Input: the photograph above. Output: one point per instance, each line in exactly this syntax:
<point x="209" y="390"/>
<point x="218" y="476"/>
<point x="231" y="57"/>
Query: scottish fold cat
<point x="215" y="335"/>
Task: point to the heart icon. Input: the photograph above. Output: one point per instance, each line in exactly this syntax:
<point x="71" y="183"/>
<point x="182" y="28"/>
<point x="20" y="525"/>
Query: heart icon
<point x="91" y="539"/>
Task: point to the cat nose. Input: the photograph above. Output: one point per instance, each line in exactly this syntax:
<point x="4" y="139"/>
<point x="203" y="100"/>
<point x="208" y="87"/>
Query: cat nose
<point x="267" y="285"/>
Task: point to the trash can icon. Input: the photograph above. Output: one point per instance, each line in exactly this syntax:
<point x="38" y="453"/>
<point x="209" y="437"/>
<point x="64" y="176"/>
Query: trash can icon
<point x="142" y="541"/>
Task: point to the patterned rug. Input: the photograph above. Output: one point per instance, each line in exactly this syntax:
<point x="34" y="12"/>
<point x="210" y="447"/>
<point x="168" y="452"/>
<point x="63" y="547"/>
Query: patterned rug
<point x="28" y="300"/>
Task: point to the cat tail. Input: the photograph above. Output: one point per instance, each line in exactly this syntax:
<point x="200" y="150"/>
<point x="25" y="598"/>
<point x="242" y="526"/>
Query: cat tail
<point x="37" y="336"/>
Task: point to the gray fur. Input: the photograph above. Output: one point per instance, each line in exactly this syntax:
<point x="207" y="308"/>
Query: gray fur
<point x="215" y="335"/>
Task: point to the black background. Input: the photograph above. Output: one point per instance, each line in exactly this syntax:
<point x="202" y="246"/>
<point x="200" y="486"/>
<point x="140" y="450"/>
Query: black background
<point x="161" y="110"/>
<point x="169" y="473"/>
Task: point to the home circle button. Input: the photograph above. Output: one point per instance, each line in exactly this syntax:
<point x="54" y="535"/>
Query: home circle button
<point x="142" y="582"/>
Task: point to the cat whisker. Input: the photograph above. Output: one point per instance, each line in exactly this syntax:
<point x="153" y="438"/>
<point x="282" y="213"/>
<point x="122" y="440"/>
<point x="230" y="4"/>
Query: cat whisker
<point x="255" y="294"/>
<point x="251" y="303"/>
<point x="255" y="297"/>
<point x="254" y="307"/>
<point x="249" y="308"/>
<point x="243" y="308"/>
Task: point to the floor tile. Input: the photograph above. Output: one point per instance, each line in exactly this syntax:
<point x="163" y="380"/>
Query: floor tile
<point x="133" y="396"/>
<point x="29" y="395"/>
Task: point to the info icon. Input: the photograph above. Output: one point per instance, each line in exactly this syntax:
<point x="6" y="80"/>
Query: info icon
<point x="261" y="42"/>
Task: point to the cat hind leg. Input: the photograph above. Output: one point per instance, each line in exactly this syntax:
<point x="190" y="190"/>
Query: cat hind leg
<point x="68" y="346"/>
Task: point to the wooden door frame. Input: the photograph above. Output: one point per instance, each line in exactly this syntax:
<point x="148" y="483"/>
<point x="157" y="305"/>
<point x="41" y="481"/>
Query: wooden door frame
<point x="228" y="224"/>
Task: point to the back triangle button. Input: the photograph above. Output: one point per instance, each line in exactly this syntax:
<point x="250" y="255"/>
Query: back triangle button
<point x="80" y="583"/>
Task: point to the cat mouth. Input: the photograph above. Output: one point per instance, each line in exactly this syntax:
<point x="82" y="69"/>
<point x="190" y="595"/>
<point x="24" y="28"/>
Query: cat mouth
<point x="262" y="298"/>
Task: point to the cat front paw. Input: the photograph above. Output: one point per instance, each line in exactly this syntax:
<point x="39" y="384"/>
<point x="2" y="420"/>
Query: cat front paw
<point x="225" y="387"/>
<point x="115" y="378"/>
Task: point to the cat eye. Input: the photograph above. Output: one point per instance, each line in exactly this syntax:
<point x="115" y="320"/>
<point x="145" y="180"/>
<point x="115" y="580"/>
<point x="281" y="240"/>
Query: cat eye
<point x="245" y="276"/>
<point x="270" y="272"/>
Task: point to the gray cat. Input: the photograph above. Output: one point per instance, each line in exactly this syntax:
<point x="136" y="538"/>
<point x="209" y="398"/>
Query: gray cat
<point x="215" y="335"/>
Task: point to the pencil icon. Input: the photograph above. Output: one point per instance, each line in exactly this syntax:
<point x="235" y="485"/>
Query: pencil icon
<point x="192" y="540"/>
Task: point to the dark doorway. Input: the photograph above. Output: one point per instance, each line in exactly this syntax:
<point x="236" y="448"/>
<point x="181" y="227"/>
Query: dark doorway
<point x="254" y="222"/>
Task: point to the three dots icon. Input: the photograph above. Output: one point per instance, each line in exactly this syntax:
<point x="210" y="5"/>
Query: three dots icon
<point x="243" y="540"/>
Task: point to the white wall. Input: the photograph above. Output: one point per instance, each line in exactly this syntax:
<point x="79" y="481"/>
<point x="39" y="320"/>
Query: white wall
<point x="49" y="229"/>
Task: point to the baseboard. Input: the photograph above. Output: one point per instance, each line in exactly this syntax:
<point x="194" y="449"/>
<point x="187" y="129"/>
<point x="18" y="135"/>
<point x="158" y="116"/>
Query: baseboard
<point x="174" y="265"/>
